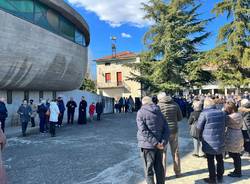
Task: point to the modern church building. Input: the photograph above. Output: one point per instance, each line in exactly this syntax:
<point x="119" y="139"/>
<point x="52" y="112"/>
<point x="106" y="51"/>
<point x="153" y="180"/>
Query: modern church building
<point x="43" y="49"/>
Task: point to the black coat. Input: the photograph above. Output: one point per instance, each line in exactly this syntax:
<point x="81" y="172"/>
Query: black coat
<point x="83" y="106"/>
<point x="3" y="111"/>
<point x="41" y="110"/>
<point x="99" y="108"/>
<point x="71" y="105"/>
<point x="194" y="116"/>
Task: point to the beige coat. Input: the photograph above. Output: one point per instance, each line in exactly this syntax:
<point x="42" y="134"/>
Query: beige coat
<point x="2" y="170"/>
<point x="234" y="138"/>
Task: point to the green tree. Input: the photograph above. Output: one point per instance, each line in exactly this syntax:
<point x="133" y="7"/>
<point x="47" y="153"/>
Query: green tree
<point x="88" y="85"/>
<point x="232" y="56"/>
<point x="171" y="44"/>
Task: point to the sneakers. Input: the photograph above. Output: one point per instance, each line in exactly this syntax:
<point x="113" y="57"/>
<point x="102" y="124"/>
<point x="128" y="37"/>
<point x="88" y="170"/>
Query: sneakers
<point x="234" y="175"/>
<point x="210" y="181"/>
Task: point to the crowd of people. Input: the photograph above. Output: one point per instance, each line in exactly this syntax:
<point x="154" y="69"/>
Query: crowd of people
<point x="51" y="113"/>
<point x="125" y="105"/>
<point x="219" y="126"/>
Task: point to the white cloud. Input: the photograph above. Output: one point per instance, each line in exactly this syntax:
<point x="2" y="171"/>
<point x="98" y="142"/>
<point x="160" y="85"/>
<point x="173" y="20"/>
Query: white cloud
<point x="125" y="35"/>
<point x="116" y="12"/>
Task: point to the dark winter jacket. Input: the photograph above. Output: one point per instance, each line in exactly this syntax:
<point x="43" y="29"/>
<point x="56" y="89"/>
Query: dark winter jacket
<point x="41" y="110"/>
<point x="172" y="113"/>
<point x="61" y="106"/>
<point x="245" y="111"/>
<point x="99" y="108"/>
<point x="152" y="127"/>
<point x="83" y="106"/>
<point x="194" y="116"/>
<point x="25" y="113"/>
<point x="3" y="111"/>
<point x="71" y="105"/>
<point x="211" y="124"/>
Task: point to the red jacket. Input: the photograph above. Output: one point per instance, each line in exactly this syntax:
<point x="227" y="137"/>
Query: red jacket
<point x="92" y="109"/>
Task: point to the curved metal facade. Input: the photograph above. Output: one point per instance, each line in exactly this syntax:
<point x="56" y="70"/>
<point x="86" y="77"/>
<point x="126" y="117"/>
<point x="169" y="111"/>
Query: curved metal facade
<point x="33" y="58"/>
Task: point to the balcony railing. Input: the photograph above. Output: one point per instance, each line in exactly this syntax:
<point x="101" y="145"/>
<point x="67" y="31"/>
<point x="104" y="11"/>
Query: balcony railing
<point x="118" y="84"/>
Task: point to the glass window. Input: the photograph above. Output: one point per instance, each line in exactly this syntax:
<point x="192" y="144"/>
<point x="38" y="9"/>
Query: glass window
<point x="9" y="97"/>
<point x="46" y="17"/>
<point x="26" y="95"/>
<point x="78" y="37"/>
<point x="107" y="77"/>
<point x="67" y="29"/>
<point x="20" y="8"/>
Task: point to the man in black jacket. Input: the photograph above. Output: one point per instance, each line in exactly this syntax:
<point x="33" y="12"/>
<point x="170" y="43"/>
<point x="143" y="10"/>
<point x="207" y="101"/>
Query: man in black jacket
<point x="71" y="105"/>
<point x="82" y="112"/>
<point x="3" y="113"/>
<point x="99" y="110"/>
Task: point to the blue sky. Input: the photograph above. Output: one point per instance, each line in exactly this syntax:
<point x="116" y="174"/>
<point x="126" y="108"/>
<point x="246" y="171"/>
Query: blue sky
<point x="118" y="17"/>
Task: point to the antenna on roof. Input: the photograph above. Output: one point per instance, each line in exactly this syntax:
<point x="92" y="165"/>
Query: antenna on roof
<point x="113" y="39"/>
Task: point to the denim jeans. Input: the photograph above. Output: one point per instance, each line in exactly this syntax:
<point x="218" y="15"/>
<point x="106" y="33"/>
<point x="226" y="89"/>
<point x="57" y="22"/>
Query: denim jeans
<point x="198" y="147"/>
<point x="24" y="127"/>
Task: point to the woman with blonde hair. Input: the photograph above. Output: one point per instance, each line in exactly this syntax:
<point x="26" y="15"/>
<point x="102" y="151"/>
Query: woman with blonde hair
<point x="2" y="170"/>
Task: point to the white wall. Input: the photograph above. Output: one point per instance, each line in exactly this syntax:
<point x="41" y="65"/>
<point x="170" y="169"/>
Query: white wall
<point x="18" y="96"/>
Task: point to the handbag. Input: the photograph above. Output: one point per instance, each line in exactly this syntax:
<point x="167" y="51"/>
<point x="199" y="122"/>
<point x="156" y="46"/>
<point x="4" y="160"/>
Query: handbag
<point x="194" y="131"/>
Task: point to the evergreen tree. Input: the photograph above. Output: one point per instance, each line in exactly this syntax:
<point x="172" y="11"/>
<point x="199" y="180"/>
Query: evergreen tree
<point x="89" y="85"/>
<point x="171" y="44"/>
<point x="232" y="56"/>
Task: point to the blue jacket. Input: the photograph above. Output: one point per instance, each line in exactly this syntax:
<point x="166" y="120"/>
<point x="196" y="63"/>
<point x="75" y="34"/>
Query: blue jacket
<point x="24" y="112"/>
<point x="41" y="110"/>
<point x="3" y="111"/>
<point x="211" y="123"/>
<point x="61" y="106"/>
<point x="152" y="127"/>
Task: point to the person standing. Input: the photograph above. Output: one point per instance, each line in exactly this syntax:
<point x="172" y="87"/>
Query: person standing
<point x="173" y="115"/>
<point x="211" y="125"/>
<point x="3" y="113"/>
<point x="61" y="107"/>
<point x="33" y="114"/>
<point x="71" y="105"/>
<point x="245" y="112"/>
<point x="120" y="105"/>
<point x="192" y="121"/>
<point x="92" y="111"/>
<point x="3" y="179"/>
<point x="131" y="104"/>
<point x="25" y="112"/>
<point x="99" y="110"/>
<point x="54" y="113"/>
<point x="82" y="119"/>
<point x="41" y="110"/>
<point x="152" y="136"/>
<point x="234" y="139"/>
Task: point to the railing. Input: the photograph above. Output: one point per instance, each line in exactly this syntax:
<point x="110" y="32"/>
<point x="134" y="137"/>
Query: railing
<point x="118" y="84"/>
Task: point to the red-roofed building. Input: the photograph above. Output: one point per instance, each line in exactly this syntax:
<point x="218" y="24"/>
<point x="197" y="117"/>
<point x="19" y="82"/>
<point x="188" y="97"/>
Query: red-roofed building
<point x="112" y="75"/>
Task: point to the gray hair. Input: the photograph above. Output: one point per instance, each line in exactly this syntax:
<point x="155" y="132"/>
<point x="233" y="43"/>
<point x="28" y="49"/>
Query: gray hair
<point x="147" y="100"/>
<point x="197" y="105"/>
<point x="208" y="102"/>
<point x="161" y="95"/>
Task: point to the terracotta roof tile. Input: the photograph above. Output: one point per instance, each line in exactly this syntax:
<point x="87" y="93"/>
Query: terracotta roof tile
<point x="121" y="55"/>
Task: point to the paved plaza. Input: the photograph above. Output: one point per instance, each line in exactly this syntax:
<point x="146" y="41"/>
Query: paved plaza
<point x="97" y="153"/>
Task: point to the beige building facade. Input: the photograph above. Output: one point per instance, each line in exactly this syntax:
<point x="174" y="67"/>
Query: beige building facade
<point x="113" y="75"/>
